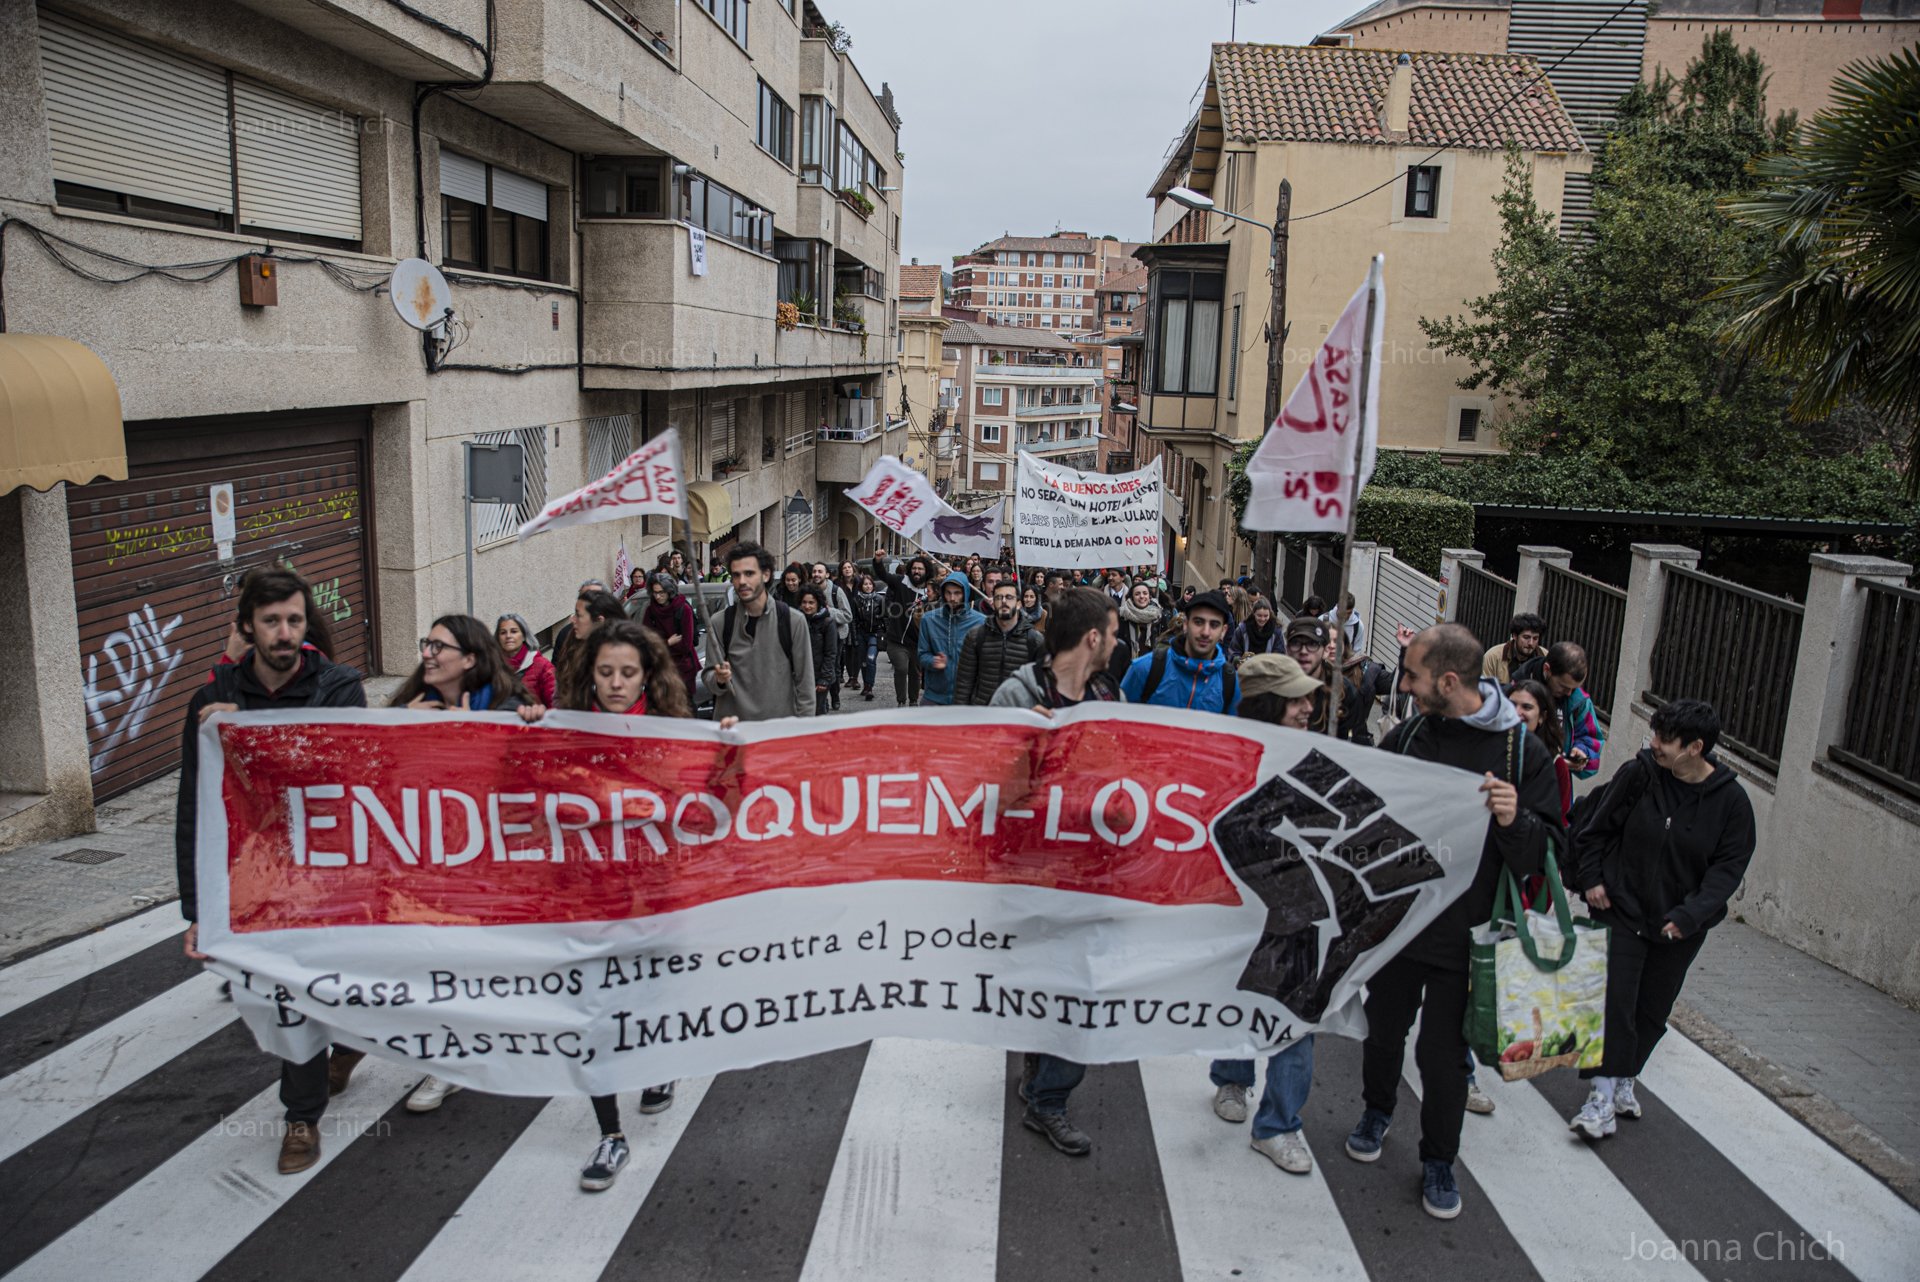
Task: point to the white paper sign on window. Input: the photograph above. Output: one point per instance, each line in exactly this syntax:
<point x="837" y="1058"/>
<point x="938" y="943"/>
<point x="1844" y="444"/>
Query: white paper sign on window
<point x="697" y="250"/>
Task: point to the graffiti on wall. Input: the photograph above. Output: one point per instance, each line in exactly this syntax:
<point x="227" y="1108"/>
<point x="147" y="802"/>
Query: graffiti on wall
<point x="124" y="679"/>
<point x="328" y="601"/>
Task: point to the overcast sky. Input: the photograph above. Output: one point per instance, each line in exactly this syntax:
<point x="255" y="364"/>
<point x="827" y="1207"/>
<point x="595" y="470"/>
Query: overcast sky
<point x="1026" y="114"/>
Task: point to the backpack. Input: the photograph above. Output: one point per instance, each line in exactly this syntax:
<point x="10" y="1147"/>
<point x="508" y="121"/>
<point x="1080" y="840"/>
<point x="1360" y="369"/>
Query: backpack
<point x="1624" y="790"/>
<point x="781" y="611"/>
<point x="1158" y="669"/>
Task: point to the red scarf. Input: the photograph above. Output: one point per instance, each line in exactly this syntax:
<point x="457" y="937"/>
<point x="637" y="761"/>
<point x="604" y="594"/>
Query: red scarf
<point x="639" y="708"/>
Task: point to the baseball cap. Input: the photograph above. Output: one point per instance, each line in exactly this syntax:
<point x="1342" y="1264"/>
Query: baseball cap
<point x="1275" y="674"/>
<point x="1211" y="601"/>
<point x="1308" y="629"/>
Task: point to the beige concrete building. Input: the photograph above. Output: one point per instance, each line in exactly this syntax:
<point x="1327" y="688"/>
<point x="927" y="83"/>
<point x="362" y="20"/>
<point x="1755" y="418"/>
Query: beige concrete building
<point x="619" y="192"/>
<point x="1392" y="154"/>
<point x="1018" y="390"/>
<point x="922" y="327"/>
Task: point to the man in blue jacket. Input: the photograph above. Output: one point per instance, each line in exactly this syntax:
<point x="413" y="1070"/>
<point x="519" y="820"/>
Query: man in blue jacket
<point x="942" y="632"/>
<point x="1192" y="672"/>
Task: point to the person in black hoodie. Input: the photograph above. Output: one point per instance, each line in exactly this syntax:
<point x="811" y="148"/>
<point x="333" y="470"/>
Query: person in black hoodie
<point x="900" y="633"/>
<point x="825" y="637"/>
<point x="277" y="673"/>
<point x="1665" y="848"/>
<point x="1466" y="722"/>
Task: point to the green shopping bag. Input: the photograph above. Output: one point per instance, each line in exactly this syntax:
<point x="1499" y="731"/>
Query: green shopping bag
<point x="1537" y="985"/>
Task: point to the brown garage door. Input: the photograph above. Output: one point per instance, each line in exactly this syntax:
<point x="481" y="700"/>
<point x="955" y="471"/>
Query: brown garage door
<point x="153" y="594"/>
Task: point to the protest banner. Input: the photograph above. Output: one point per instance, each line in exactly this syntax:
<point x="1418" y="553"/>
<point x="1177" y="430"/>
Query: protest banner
<point x="956" y="534"/>
<point x="898" y="497"/>
<point x="1071" y="520"/>
<point x="648" y="482"/>
<point x="597" y="903"/>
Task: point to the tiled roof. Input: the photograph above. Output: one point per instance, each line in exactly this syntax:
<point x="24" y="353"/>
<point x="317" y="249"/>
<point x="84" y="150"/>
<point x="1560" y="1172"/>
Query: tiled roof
<point x="919" y="280"/>
<point x="1129" y="282"/>
<point x="964" y="332"/>
<point x="1040" y="244"/>
<point x="1296" y="93"/>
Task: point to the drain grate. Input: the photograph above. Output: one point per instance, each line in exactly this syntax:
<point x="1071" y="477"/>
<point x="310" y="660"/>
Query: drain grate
<point x="87" y="855"/>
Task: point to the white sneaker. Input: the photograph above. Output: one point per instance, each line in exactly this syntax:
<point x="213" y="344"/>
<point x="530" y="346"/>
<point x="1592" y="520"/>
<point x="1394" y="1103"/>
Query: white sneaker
<point x="1478" y="1101"/>
<point x="1595" y="1119"/>
<point x="1624" y="1102"/>
<point x="1230" y="1103"/>
<point x="1288" y="1151"/>
<point x="429" y="1095"/>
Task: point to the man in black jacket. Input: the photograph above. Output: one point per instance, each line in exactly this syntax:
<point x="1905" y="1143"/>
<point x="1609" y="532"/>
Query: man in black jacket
<point x="901" y="631"/>
<point x="1665" y="849"/>
<point x="276" y="673"/>
<point x="1466" y="722"/>
<point x="992" y="653"/>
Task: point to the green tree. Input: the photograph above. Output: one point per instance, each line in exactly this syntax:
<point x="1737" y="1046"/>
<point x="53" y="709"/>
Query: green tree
<point x="1835" y="302"/>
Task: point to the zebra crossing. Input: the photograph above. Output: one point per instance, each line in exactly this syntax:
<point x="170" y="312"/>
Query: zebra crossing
<point x="138" y="1140"/>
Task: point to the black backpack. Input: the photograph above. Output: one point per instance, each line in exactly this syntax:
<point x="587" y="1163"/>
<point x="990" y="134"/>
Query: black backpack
<point x="1628" y="785"/>
<point x="781" y="610"/>
<point x="1158" y="668"/>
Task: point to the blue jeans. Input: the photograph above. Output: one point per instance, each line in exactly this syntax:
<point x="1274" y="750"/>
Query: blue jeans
<point x="870" y="648"/>
<point x="1050" y="1080"/>
<point x="1289" y="1078"/>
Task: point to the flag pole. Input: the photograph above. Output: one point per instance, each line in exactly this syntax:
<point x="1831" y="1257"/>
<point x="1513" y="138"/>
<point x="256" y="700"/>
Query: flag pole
<point x="1335" y="673"/>
<point x="699" y="579"/>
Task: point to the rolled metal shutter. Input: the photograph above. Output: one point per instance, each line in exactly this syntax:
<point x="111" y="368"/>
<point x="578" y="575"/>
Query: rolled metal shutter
<point x="463" y="177"/>
<point x="154" y="598"/>
<point x="135" y="120"/>
<point x="299" y="163"/>
<point x="519" y="195"/>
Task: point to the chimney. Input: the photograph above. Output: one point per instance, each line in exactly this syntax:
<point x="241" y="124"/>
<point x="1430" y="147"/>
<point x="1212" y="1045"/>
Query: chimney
<point x="1396" y="116"/>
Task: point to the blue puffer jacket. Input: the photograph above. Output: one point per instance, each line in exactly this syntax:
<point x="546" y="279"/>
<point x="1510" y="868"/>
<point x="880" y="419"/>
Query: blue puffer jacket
<point x="1186" y="683"/>
<point x="942" y="631"/>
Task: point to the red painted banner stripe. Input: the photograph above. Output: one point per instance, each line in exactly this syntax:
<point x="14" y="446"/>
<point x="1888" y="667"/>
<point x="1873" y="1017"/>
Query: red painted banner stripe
<point x="471" y="823"/>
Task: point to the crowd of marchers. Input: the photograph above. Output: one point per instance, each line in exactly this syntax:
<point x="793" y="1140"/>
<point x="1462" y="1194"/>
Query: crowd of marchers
<point x="1655" y="853"/>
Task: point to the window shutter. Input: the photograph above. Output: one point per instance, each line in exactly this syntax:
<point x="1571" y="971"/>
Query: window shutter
<point x="134" y="120"/>
<point x="720" y="431"/>
<point x="463" y="177"/>
<point x="519" y="195"/>
<point x="299" y="164"/>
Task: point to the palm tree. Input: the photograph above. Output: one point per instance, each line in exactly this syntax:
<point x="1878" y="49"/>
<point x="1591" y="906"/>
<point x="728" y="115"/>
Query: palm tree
<point x="1836" y="302"/>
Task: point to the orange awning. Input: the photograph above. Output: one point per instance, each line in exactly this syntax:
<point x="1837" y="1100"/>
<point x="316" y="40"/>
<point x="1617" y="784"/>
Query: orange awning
<point x="59" y="415"/>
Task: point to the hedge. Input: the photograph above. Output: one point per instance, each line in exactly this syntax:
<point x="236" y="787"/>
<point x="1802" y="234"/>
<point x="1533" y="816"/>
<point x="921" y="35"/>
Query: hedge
<point x="1416" y="524"/>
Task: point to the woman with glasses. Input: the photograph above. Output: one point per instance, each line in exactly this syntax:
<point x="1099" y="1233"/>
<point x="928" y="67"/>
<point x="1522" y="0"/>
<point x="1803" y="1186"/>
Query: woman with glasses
<point x="461" y="667"/>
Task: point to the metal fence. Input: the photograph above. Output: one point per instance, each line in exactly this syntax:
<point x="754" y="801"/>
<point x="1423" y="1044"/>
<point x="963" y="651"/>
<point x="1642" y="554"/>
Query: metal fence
<point x="1293" y="576"/>
<point x="1735" y="648"/>
<point x="1591" y="614"/>
<point x="1326" y="577"/>
<point x="1402" y="595"/>
<point x="1882" y="733"/>
<point x="1484" y="603"/>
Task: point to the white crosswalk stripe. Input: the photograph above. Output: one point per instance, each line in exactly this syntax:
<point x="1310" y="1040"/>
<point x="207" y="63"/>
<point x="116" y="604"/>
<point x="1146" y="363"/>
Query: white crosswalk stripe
<point x="34" y="978"/>
<point x="916" y="1184"/>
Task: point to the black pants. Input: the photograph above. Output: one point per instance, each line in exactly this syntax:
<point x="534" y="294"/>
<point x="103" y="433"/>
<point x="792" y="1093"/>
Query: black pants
<point x="905" y="661"/>
<point x="303" y="1088"/>
<point x="1394" y="997"/>
<point x="1643" y="980"/>
<point x="606" y="1111"/>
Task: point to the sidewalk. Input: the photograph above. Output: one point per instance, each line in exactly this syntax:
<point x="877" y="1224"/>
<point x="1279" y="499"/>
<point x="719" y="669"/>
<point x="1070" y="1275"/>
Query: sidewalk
<point x="1839" y="1055"/>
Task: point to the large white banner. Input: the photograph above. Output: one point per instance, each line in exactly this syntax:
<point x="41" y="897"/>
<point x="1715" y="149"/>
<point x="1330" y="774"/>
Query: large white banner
<point x="597" y="903"/>
<point x="648" y="482"/>
<point x="1302" y="476"/>
<point x="897" y="496"/>
<point x="1066" y="519"/>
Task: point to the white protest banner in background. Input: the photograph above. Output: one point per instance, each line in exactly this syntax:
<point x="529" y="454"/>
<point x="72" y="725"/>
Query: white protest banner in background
<point x="959" y="534"/>
<point x="898" y="497"/>
<point x="1070" y="520"/>
<point x="697" y="251"/>
<point x="596" y="903"/>
<point x="648" y="482"/>
<point x="1302" y="474"/>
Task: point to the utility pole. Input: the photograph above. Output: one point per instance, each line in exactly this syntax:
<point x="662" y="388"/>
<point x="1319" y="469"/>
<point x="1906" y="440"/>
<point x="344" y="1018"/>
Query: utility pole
<point x="1266" y="544"/>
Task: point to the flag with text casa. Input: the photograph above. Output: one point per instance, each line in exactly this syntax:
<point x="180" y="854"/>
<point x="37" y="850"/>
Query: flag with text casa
<point x="595" y="903"/>
<point x="898" y="497"/>
<point x="648" y="482"/>
<point x="1302" y="476"/>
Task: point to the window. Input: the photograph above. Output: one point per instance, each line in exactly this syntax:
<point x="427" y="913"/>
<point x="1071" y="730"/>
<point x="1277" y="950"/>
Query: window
<point x="990" y="472"/>
<point x="1046" y="282"/>
<point x="138" y="131"/>
<point x="1469" y="425"/>
<point x="803" y="274"/>
<point x="731" y="15"/>
<point x="990" y="433"/>
<point x="993" y="396"/>
<point x="1423" y="191"/>
<point x="609" y="440"/>
<point x="492" y="218"/>
<point x="627" y="187"/>
<point x="774" y="128"/>
<point x="496" y="522"/>
<point x="725" y="213"/>
<point x="856" y="166"/>
<point x="817" y="121"/>
<point x="1187" y="333"/>
<point x="1046" y="260"/>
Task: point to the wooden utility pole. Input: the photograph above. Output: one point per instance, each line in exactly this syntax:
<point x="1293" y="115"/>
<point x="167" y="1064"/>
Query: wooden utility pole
<point x="1266" y="578"/>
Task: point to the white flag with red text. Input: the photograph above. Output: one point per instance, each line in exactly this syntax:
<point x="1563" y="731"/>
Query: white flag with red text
<point x="1303" y="473"/>
<point x="648" y="482"/>
<point x="898" y="497"/>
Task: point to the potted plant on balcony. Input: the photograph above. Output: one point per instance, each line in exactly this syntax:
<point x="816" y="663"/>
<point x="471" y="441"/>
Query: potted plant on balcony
<point x="833" y="33"/>
<point x="786" y="316"/>
<point x="856" y="200"/>
<point x="847" y="315"/>
<point x="803" y="307"/>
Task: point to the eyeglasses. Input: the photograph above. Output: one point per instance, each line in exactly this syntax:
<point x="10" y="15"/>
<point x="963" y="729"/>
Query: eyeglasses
<point x="437" y="648"/>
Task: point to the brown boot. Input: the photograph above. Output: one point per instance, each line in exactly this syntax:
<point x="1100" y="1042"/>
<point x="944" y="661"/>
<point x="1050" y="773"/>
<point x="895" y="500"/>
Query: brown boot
<point x="299" y="1148"/>
<point x="340" y="1066"/>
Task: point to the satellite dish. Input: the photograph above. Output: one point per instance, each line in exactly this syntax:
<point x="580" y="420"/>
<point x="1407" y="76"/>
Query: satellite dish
<point x="420" y="294"/>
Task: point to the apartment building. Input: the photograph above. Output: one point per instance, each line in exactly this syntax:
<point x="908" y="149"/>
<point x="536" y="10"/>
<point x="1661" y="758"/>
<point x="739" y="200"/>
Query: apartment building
<point x="1019" y="391"/>
<point x="620" y="194"/>
<point x="1404" y="153"/>
<point x="1037" y="282"/>
<point x="922" y="328"/>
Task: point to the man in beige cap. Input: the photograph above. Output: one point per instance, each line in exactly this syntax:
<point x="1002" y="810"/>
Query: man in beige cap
<point x="1276" y="690"/>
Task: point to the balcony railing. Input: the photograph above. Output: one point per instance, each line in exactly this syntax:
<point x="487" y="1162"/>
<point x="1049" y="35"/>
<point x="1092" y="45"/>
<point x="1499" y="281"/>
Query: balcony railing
<point x="867" y="433"/>
<point x="1040" y="373"/>
<point x="1068" y="409"/>
<point x="1083" y="442"/>
<point x="855" y="416"/>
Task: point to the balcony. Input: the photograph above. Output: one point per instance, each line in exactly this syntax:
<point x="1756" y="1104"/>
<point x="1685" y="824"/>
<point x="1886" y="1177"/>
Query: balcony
<point x="1066" y="409"/>
<point x="846" y="459"/>
<point x="1083" y="375"/>
<point x="1060" y="444"/>
<point x="853" y="420"/>
<point x="649" y="322"/>
<point x="389" y="37"/>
